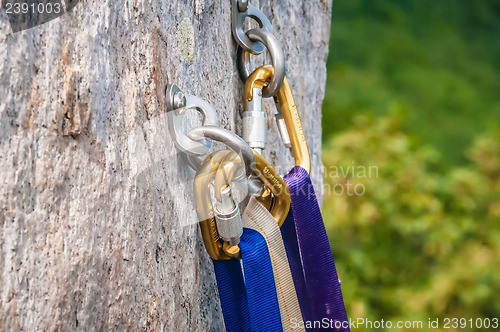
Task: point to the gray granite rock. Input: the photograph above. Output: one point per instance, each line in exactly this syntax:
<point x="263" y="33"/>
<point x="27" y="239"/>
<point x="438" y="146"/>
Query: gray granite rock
<point x="98" y="229"/>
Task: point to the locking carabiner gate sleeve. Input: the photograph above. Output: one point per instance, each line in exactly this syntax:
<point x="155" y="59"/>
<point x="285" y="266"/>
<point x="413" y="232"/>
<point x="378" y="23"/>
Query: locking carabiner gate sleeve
<point x="213" y="243"/>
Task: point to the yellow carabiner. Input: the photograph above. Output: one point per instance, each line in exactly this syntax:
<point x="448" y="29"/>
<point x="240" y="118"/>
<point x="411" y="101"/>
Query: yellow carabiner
<point x="230" y="162"/>
<point x="213" y="243"/>
<point x="288" y="110"/>
<point x="266" y="173"/>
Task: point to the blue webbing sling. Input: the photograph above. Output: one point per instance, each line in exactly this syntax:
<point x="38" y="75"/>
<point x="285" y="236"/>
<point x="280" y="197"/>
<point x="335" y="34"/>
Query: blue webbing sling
<point x="249" y="303"/>
<point x="232" y="294"/>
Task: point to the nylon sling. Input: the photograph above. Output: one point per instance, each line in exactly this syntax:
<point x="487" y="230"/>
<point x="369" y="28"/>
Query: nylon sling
<point x="263" y="304"/>
<point x="324" y="296"/>
<point x="249" y="303"/>
<point x="289" y="234"/>
<point x="258" y="218"/>
<point x="232" y="294"/>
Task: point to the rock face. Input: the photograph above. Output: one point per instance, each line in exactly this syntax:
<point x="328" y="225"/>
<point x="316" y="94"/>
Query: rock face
<point x="98" y="229"/>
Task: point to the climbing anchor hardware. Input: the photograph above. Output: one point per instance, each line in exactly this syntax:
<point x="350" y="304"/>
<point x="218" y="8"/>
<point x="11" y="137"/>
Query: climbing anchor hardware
<point x="221" y="231"/>
<point x="287" y="116"/>
<point x="177" y="104"/>
<point x="286" y="272"/>
<point x="277" y="58"/>
<point x="268" y="81"/>
<point x="266" y="173"/>
<point x="196" y="143"/>
<point x="241" y="9"/>
<point x="213" y="242"/>
<point x="256" y="41"/>
<point x="221" y="223"/>
<point x="228" y="223"/>
<point x="218" y="224"/>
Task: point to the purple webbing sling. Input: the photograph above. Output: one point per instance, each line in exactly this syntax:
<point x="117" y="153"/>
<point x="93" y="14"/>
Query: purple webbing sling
<point x="322" y="284"/>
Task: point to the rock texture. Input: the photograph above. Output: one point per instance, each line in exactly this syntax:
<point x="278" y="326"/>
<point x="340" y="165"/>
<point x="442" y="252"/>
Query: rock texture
<point x="97" y="220"/>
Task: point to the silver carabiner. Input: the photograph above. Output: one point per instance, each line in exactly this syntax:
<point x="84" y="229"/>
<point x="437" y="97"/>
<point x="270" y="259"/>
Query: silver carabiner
<point x="277" y="59"/>
<point x="239" y="13"/>
<point x="230" y="139"/>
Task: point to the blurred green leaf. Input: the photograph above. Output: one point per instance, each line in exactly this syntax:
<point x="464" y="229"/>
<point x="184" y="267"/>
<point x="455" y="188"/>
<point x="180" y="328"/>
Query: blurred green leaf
<point x="419" y="242"/>
<point x="438" y="60"/>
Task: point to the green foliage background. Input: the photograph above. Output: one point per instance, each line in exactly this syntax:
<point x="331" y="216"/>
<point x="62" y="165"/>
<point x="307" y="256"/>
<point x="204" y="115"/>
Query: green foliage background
<point x="414" y="89"/>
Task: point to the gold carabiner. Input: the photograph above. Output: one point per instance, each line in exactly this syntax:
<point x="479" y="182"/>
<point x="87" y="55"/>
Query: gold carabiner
<point x="226" y="163"/>
<point x="214" y="245"/>
<point x="288" y="110"/>
<point x="266" y="173"/>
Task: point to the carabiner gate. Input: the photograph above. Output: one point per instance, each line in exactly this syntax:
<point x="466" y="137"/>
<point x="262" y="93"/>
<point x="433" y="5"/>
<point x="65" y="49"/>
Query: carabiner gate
<point x="213" y="243"/>
<point x="287" y="110"/>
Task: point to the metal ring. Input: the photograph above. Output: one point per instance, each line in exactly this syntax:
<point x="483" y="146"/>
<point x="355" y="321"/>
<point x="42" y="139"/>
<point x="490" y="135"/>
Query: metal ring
<point x="238" y="18"/>
<point x="228" y="138"/>
<point x="277" y="58"/>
